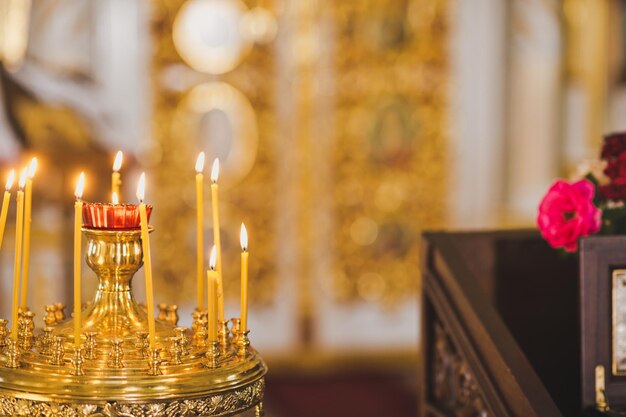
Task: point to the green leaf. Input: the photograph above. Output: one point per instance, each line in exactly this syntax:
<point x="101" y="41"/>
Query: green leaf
<point x="613" y="221"/>
<point x="614" y="213"/>
<point x="593" y="179"/>
<point x="597" y="198"/>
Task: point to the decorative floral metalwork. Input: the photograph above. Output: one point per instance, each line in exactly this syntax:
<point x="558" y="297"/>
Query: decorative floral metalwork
<point x="391" y="66"/>
<point x="226" y="404"/>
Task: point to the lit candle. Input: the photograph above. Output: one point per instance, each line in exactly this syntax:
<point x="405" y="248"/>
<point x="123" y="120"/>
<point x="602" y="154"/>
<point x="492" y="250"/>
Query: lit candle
<point x="28" y="198"/>
<point x="215" y="172"/>
<point x="200" y="229"/>
<point x="147" y="263"/>
<point x="78" y="223"/>
<point x="212" y="278"/>
<point x="114" y="198"/>
<point x="19" y="227"/>
<point x="243" y="238"/>
<point x="6" y="202"/>
<point x="116" y="179"/>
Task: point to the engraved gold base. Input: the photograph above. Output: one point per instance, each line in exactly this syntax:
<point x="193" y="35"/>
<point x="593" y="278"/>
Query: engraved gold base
<point x="232" y="402"/>
<point x="114" y="373"/>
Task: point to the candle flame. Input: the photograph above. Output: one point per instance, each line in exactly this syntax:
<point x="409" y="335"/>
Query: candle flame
<point x="200" y="163"/>
<point x="32" y="168"/>
<point x="215" y="172"/>
<point x="117" y="164"/>
<point x="80" y="186"/>
<point x="243" y="238"/>
<point x="213" y="258"/>
<point x="10" y="180"/>
<point x="22" y="181"/>
<point x="141" y="187"/>
<point x="114" y="198"/>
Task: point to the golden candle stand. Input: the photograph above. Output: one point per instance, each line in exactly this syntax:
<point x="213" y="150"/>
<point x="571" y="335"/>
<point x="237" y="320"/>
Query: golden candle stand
<point x="114" y="372"/>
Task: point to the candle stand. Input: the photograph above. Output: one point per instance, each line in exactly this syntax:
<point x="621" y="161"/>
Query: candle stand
<point x="114" y="372"/>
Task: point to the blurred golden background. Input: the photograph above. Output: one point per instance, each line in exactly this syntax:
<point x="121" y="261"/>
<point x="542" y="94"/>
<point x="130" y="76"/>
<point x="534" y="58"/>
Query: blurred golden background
<point x="344" y="129"/>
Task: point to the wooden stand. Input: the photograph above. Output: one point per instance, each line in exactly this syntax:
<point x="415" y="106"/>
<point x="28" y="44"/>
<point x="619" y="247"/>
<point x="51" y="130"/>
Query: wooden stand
<point x="501" y="326"/>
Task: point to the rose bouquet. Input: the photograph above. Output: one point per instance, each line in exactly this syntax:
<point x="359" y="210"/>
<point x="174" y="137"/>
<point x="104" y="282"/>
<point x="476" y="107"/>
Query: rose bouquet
<point x="592" y="204"/>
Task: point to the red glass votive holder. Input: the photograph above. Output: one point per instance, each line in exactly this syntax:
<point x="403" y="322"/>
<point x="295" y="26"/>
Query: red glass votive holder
<point x="111" y="216"/>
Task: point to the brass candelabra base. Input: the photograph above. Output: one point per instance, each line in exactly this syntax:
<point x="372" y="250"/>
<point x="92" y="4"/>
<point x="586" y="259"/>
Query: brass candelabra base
<point x="113" y="372"/>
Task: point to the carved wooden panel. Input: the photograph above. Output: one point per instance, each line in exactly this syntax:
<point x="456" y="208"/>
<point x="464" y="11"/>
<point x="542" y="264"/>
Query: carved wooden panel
<point x="453" y="384"/>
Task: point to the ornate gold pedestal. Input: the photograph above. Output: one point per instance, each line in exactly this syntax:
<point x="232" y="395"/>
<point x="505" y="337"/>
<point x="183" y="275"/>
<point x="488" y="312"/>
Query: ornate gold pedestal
<point x="115" y="373"/>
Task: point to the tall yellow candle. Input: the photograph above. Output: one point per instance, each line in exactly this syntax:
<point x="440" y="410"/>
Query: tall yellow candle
<point x="200" y="229"/>
<point x="19" y="226"/>
<point x="212" y="278"/>
<point x="78" y="223"/>
<point x="147" y="262"/>
<point x="243" y="239"/>
<point x="116" y="179"/>
<point x="6" y="202"/>
<point x="28" y="199"/>
<point x="215" y="172"/>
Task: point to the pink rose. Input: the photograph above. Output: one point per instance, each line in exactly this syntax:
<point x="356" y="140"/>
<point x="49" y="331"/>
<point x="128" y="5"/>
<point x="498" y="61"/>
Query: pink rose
<point x="567" y="213"/>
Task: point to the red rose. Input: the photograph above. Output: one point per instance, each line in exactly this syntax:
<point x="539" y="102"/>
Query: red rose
<point x="567" y="213"/>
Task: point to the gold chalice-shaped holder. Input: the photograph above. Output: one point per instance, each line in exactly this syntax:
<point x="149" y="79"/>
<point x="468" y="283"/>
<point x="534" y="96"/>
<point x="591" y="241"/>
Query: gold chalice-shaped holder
<point x="115" y="373"/>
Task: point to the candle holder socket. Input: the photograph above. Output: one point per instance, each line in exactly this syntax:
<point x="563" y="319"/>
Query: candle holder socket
<point x="58" y="351"/>
<point x="162" y="311"/>
<point x="172" y="315"/>
<point x="243" y="343"/>
<point x="46" y="340"/>
<point x="27" y="328"/>
<point x="176" y="351"/>
<point x="13" y="355"/>
<point x="181" y="333"/>
<point x="154" y="362"/>
<point x="116" y="355"/>
<point x="142" y="344"/>
<point x="59" y="313"/>
<point x="212" y="355"/>
<point x="90" y="345"/>
<point x="77" y="362"/>
<point x="197" y="321"/>
<point x="29" y="320"/>
<point x="223" y="334"/>
<point x="50" y="318"/>
<point x="199" y="338"/>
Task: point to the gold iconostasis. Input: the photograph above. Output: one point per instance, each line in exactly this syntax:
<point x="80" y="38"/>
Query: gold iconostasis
<point x="329" y="120"/>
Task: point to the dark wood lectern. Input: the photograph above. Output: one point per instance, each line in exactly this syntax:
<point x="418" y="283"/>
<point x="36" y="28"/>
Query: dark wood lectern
<point x="501" y="326"/>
